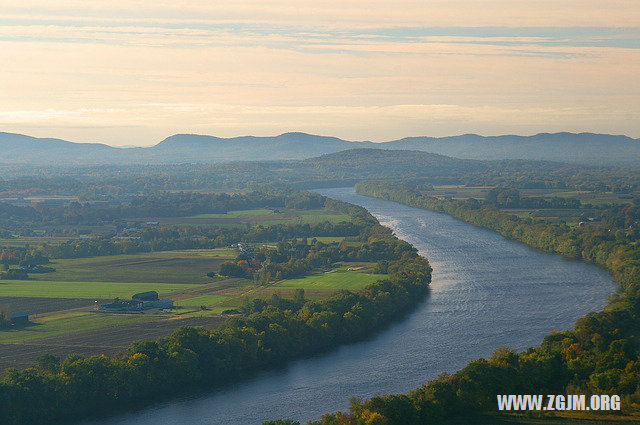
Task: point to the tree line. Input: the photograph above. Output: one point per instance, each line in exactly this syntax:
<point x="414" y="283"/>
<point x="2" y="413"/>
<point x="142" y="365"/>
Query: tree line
<point x="159" y="204"/>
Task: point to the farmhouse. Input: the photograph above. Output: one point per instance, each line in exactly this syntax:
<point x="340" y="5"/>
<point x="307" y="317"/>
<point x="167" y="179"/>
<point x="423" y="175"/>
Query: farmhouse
<point x="141" y="301"/>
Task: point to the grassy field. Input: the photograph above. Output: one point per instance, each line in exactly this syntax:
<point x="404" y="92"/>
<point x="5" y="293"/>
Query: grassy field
<point x="236" y="214"/>
<point x="206" y="300"/>
<point x="480" y="192"/>
<point x="327" y="239"/>
<point x="33" y="240"/>
<point x="595" y="198"/>
<point x="70" y="323"/>
<point x="61" y="304"/>
<point x="319" y="216"/>
<point x="188" y="266"/>
<point x="338" y="279"/>
<point x="76" y="289"/>
<point x="257" y="216"/>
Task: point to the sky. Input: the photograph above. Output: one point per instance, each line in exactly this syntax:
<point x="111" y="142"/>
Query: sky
<point x="134" y="72"/>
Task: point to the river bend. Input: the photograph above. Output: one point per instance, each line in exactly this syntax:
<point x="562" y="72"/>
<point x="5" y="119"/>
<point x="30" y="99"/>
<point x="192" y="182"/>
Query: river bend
<point x="486" y="292"/>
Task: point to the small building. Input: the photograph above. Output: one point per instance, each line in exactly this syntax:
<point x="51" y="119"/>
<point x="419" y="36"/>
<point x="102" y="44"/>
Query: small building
<point x="146" y="296"/>
<point x="139" y="302"/>
<point x="163" y="304"/>
<point x="19" y="318"/>
<point x="122" y="305"/>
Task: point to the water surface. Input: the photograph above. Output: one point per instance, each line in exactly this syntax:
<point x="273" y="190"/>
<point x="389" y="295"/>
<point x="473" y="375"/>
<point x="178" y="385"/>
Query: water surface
<point x="487" y="292"/>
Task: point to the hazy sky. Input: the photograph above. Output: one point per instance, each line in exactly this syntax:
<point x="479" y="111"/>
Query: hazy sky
<point x="134" y="72"/>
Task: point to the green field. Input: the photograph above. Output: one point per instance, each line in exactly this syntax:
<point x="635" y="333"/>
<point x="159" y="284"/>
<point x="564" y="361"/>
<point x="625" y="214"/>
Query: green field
<point x="266" y="216"/>
<point x="338" y="279"/>
<point x="188" y="266"/>
<point x="319" y="216"/>
<point x="327" y="239"/>
<point x="594" y="198"/>
<point x="67" y="323"/>
<point x="206" y="300"/>
<point x="179" y="275"/>
<point x="75" y="289"/>
<point x="33" y="240"/>
<point x="236" y="214"/>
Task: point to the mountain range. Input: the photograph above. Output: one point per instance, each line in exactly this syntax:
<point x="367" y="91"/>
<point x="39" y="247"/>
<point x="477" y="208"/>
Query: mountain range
<point x="584" y="148"/>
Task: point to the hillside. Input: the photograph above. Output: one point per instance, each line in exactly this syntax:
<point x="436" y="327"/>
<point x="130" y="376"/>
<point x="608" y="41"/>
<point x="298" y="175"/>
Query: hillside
<point x="392" y="163"/>
<point x="585" y="148"/>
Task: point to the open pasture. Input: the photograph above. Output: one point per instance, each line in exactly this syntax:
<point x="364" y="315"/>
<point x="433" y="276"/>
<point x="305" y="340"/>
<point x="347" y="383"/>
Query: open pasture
<point x="238" y="214"/>
<point x="595" y="198"/>
<point x="459" y="192"/>
<point x="75" y="289"/>
<point x="33" y="240"/>
<point x="114" y="338"/>
<point x="39" y="305"/>
<point x="188" y="266"/>
<point x="63" y="323"/>
<point x="256" y="216"/>
<point x="335" y="280"/>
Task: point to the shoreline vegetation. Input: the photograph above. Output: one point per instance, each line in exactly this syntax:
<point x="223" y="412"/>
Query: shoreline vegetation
<point x="599" y="356"/>
<point x="267" y="332"/>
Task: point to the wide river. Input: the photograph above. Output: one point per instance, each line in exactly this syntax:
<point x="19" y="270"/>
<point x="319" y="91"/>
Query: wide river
<point x="487" y="292"/>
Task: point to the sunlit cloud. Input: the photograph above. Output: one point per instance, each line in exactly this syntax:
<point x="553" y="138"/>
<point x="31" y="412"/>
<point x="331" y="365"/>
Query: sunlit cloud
<point x="135" y="72"/>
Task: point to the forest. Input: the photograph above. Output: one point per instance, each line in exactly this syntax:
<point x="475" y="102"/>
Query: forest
<point x="599" y="356"/>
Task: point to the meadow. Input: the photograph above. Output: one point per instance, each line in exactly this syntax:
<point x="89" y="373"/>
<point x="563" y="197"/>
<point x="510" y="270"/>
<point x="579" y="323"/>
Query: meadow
<point x="256" y="216"/>
<point x="71" y="322"/>
<point x="80" y="289"/>
<point x="62" y="304"/>
<point x="187" y="266"/>
<point x="335" y="279"/>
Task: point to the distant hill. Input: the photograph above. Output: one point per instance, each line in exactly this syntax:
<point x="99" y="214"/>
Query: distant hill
<point x="192" y="147"/>
<point x="586" y="148"/>
<point x="20" y="149"/>
<point x="370" y="163"/>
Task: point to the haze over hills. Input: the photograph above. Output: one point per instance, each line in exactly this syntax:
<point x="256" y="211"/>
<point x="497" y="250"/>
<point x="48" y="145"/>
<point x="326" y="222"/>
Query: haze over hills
<point x="586" y="148"/>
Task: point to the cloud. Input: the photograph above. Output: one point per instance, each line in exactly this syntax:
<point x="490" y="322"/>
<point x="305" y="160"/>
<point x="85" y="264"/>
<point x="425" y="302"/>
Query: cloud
<point x="358" y="69"/>
<point x="347" y="13"/>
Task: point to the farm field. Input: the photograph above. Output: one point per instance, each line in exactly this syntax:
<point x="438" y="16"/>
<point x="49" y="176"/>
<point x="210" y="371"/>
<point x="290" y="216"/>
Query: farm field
<point x="57" y="324"/>
<point x="256" y="216"/>
<point x="460" y="192"/>
<point x="337" y="279"/>
<point x="106" y="340"/>
<point x="39" y="305"/>
<point x="480" y="192"/>
<point x="188" y="266"/>
<point x="237" y="213"/>
<point x="595" y="198"/>
<point x="570" y="216"/>
<point x="33" y="240"/>
<point x="79" y="289"/>
<point x="61" y="304"/>
<point x="327" y="239"/>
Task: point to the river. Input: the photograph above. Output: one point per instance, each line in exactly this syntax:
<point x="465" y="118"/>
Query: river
<point x="486" y="292"/>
